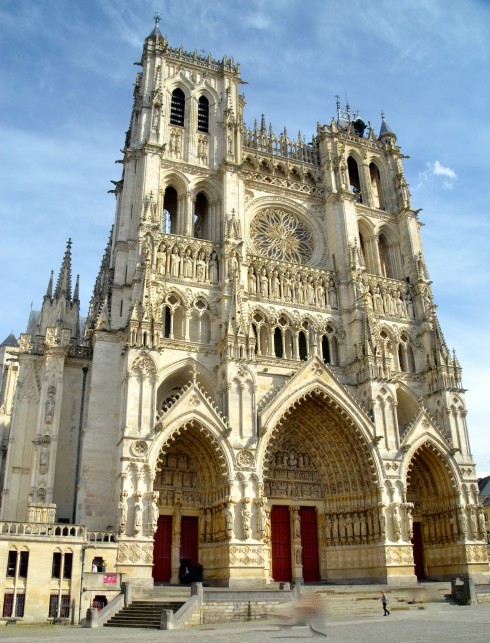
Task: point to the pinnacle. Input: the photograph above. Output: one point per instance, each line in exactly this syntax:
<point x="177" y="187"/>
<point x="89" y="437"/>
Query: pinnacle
<point x="63" y="285"/>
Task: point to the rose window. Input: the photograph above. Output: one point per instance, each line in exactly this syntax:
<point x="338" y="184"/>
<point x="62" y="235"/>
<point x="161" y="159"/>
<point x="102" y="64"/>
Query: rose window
<point x="280" y="235"/>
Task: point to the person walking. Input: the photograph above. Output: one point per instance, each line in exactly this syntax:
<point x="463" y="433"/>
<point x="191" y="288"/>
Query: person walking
<point x="384" y="601"/>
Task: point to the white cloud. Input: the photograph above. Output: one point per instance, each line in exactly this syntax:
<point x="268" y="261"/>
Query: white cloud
<point x="436" y="168"/>
<point x="439" y="169"/>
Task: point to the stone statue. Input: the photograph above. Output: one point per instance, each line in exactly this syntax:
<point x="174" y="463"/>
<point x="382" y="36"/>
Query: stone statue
<point x="409" y="520"/>
<point x="208" y="529"/>
<point x="473" y="522"/>
<point x="481" y="523"/>
<point x="246" y="519"/>
<point x="162" y="259"/>
<point x="395" y="515"/>
<point x="462" y="523"/>
<point x="296" y="523"/>
<point x="213" y="268"/>
<point x="175" y="262"/>
<point x="50" y="404"/>
<point x="187" y="264"/>
<point x="261" y="519"/>
<point x="275" y="284"/>
<point x="232" y="264"/>
<point x="382" y="520"/>
<point x="138" y="513"/>
<point x="229" y="519"/>
<point x="264" y="283"/>
<point x="328" y="528"/>
<point x="378" y="300"/>
<point x="332" y="295"/>
<point x="252" y="281"/>
<point x="123" y="511"/>
<point x="155" y="510"/>
<point x="200" y="267"/>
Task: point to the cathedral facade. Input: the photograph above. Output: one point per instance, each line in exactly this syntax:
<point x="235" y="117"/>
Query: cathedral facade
<point x="261" y="391"/>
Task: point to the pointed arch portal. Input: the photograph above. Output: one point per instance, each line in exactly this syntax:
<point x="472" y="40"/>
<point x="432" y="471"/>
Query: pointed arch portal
<point x="191" y="483"/>
<point x="321" y="482"/>
<point x="437" y="524"/>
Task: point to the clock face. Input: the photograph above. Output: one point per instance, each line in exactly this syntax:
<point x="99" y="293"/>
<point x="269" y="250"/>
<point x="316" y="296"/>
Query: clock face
<point x="280" y="235"/>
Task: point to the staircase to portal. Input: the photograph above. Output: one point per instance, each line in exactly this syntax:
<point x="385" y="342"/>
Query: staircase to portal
<point x="146" y="610"/>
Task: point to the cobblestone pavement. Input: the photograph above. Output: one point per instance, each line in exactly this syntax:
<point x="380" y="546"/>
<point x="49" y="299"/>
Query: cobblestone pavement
<point x="432" y="623"/>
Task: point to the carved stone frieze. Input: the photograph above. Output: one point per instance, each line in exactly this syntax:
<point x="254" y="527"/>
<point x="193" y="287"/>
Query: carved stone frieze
<point x="134" y="553"/>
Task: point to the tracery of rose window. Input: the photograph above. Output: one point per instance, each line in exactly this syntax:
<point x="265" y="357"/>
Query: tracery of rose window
<point x="282" y="236"/>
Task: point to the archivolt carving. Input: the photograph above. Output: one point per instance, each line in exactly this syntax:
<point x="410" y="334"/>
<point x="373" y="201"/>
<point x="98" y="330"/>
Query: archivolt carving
<point x="195" y="441"/>
<point x="144" y="367"/>
<point x="336" y="444"/>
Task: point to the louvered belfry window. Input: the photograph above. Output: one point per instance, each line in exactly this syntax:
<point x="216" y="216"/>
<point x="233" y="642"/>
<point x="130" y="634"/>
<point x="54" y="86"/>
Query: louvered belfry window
<point x="203" y="114"/>
<point x="177" y="108"/>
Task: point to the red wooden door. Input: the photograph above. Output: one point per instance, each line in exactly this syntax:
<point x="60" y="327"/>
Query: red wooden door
<point x="309" y="544"/>
<point x="161" y="550"/>
<point x="189" y="540"/>
<point x="418" y="550"/>
<point x="281" y="543"/>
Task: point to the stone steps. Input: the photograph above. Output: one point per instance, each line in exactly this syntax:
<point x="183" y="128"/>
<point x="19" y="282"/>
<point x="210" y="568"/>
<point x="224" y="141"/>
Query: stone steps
<point x="143" y="613"/>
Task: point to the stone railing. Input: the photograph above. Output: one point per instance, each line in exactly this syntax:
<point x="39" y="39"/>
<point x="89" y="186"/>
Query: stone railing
<point x="259" y="140"/>
<point x="101" y="536"/>
<point x="13" y="528"/>
<point x="37" y="347"/>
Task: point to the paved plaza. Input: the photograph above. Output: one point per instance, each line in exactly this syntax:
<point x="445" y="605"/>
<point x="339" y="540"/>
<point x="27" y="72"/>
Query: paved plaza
<point x="434" y="622"/>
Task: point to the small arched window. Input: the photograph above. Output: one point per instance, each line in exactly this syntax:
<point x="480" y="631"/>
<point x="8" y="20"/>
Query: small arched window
<point x="375" y="177"/>
<point x="384" y="257"/>
<point x="177" y="108"/>
<point x="203" y="114"/>
<point x="354" y="178"/>
<point x="200" y="222"/>
<point x="169" y="215"/>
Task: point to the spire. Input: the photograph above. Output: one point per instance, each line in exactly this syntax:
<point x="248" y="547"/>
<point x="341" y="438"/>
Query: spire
<point x="76" y="292"/>
<point x="385" y="130"/>
<point x="63" y="285"/>
<point x="440" y="351"/>
<point x="49" y="290"/>
<point x="156" y="29"/>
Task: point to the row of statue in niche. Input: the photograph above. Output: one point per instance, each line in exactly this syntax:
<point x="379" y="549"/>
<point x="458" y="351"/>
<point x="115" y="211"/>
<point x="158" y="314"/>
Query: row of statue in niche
<point x="299" y="287"/>
<point x="201" y="266"/>
<point x="451" y="526"/>
<point x="394" y="301"/>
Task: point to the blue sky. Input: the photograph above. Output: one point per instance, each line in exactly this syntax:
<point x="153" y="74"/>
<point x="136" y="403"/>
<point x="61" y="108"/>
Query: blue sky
<point x="67" y="78"/>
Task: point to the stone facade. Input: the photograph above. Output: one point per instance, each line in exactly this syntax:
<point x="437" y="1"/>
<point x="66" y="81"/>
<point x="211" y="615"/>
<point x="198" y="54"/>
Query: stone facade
<point x="262" y="385"/>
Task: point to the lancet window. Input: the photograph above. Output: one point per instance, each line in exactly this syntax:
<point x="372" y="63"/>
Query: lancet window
<point x="177" y="107"/>
<point x="169" y="217"/>
<point x="376" y="189"/>
<point x="173" y="317"/>
<point x="200" y="323"/>
<point x="203" y="114"/>
<point x="201" y="217"/>
<point x="354" y="178"/>
<point x="329" y="346"/>
<point x="406" y="358"/>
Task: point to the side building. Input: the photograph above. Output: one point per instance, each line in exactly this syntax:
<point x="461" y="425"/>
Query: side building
<point x="261" y="391"/>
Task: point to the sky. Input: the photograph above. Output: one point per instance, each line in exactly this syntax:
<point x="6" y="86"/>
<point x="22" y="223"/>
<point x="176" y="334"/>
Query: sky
<point x="67" y="77"/>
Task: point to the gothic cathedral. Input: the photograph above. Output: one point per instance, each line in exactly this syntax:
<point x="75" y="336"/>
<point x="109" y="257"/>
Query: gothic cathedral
<point x="261" y="391"/>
